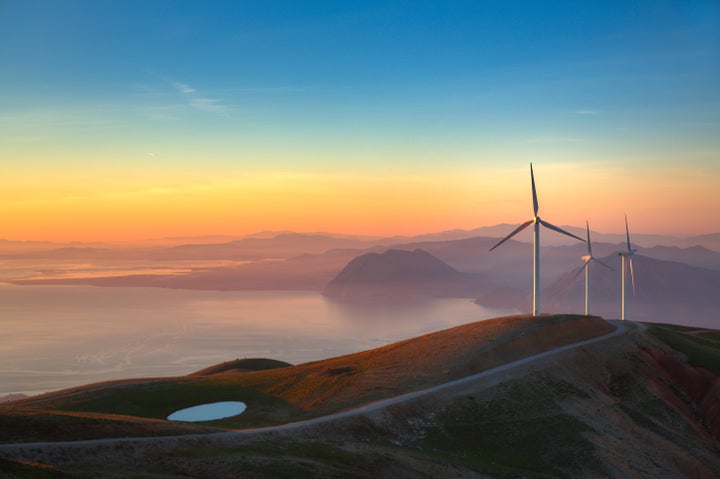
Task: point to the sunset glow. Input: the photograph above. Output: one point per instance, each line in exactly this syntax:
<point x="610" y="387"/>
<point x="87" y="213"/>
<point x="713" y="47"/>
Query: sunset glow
<point x="125" y="121"/>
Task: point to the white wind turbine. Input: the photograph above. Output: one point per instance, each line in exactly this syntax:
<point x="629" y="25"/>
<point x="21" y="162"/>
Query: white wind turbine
<point x="627" y="254"/>
<point x="536" y="222"/>
<point x="588" y="258"/>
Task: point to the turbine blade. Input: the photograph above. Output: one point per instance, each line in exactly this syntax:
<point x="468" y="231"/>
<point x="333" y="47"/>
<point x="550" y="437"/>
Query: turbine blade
<point x="516" y="231"/>
<point x="632" y="274"/>
<point x="559" y="230"/>
<point x="581" y="269"/>
<point x="535" y="201"/>
<point x="602" y="263"/>
<point x="627" y="234"/>
<point x="587" y="225"/>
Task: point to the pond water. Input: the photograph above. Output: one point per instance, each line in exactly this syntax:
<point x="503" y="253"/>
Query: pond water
<point x="56" y="337"/>
<point x="208" y="412"/>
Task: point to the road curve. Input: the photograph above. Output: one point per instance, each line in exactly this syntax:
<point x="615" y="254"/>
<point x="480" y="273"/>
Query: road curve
<point x="621" y="327"/>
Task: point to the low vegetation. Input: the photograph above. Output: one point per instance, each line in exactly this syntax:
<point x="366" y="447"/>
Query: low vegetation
<point x="30" y="470"/>
<point x="242" y="366"/>
<point x="290" y="393"/>
<point x="702" y="347"/>
<point x="619" y="408"/>
<point x="521" y="431"/>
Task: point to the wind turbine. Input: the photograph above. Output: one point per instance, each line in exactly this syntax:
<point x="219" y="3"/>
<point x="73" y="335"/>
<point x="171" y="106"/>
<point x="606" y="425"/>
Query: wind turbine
<point x="536" y="222"/>
<point x="627" y="254"/>
<point x="588" y="258"/>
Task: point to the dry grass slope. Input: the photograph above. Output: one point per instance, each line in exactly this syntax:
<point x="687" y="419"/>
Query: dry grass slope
<point x="298" y="392"/>
<point x="637" y="406"/>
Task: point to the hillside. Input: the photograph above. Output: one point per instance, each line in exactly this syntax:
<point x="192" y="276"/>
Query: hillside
<point x="666" y="291"/>
<point x="242" y="366"/>
<point x="643" y="404"/>
<point x="397" y="273"/>
<point x="323" y="387"/>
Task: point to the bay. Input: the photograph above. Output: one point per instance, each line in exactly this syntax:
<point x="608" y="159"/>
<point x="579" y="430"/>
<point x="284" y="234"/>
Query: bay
<point x="55" y="337"/>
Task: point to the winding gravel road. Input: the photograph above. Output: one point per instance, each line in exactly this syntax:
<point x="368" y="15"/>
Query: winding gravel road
<point x="620" y="328"/>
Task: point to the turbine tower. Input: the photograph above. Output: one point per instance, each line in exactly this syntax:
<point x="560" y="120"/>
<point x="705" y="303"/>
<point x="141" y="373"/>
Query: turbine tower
<point x="588" y="258"/>
<point x="626" y="254"/>
<point x="536" y="222"/>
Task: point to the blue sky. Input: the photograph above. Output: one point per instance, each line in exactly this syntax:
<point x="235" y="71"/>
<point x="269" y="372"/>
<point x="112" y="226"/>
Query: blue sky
<point x="227" y="88"/>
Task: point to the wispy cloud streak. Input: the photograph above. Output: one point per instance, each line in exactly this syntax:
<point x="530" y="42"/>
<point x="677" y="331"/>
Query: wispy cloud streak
<point x="183" y="88"/>
<point x="209" y="105"/>
<point x="554" y="139"/>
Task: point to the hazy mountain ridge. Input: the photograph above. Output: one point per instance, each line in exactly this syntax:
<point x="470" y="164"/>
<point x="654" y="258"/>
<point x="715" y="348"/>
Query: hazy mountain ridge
<point x="396" y="273"/>
<point x="665" y="290"/>
<point x="710" y="241"/>
<point x="311" y="262"/>
<point x="269" y="240"/>
<point x="394" y="265"/>
<point x="680" y="292"/>
<point x="281" y="246"/>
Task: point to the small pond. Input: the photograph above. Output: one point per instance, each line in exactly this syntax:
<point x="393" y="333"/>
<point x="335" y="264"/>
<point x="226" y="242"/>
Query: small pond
<point x="209" y="412"/>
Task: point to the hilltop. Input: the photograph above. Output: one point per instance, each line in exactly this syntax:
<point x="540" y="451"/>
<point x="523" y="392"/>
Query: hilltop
<point x="327" y="386"/>
<point x="642" y="404"/>
<point x="400" y="273"/>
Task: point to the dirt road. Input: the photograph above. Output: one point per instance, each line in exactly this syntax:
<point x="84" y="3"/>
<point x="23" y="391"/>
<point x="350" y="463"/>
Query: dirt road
<point x="496" y="372"/>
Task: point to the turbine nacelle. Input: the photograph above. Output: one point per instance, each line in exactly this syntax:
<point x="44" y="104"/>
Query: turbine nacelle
<point x="586" y="267"/>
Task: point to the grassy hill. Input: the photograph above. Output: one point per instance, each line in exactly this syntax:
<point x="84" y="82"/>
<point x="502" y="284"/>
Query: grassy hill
<point x="640" y="405"/>
<point x="285" y="394"/>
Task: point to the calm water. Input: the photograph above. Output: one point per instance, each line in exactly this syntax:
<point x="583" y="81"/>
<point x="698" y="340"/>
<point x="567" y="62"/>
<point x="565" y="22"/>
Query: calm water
<point x="61" y="336"/>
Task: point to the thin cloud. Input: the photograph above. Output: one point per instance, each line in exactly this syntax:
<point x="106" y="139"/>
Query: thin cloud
<point x="163" y="112"/>
<point x="266" y="90"/>
<point x="183" y="88"/>
<point x="554" y="139"/>
<point x="79" y="117"/>
<point x="209" y="104"/>
<point x="587" y="112"/>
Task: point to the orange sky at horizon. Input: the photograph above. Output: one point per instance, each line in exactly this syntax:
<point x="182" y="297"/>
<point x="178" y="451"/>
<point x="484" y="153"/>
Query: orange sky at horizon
<point x="111" y="208"/>
<point x="248" y="119"/>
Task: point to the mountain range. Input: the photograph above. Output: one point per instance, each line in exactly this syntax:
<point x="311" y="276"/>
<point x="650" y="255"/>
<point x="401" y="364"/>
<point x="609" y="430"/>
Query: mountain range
<point x="428" y="265"/>
<point x="666" y="291"/>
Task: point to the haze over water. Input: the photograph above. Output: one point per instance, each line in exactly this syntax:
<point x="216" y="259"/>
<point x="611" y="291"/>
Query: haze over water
<point x="62" y="336"/>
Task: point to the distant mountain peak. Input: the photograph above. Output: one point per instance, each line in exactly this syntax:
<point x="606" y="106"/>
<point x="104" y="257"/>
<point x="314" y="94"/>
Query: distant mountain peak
<point x="394" y="265"/>
<point x="396" y="272"/>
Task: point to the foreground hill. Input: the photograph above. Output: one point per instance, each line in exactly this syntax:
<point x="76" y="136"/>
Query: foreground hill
<point x="642" y="404"/>
<point x="282" y="394"/>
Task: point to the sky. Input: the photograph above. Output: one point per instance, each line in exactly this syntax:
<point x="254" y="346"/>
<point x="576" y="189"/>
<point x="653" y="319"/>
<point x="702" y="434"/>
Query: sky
<point x="124" y="120"/>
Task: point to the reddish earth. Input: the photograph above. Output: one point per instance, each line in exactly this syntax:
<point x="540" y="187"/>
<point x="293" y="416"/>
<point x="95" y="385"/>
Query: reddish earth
<point x="700" y="388"/>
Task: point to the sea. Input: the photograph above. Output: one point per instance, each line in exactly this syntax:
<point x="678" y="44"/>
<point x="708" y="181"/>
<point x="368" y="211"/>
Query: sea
<point x="56" y="337"/>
